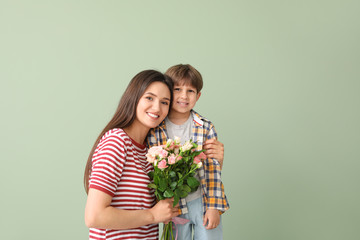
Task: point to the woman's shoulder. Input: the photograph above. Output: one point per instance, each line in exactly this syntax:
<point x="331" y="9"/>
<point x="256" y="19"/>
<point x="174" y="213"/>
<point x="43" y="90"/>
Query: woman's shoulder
<point x="116" y="132"/>
<point x="115" y="135"/>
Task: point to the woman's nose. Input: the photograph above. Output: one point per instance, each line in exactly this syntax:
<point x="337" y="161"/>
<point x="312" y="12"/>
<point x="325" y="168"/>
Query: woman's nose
<point x="156" y="105"/>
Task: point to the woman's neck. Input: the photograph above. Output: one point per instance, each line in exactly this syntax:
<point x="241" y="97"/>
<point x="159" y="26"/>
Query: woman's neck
<point x="137" y="134"/>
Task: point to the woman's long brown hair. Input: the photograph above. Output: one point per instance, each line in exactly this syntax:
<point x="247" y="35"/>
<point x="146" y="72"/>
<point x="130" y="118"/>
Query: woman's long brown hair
<point x="126" y="111"/>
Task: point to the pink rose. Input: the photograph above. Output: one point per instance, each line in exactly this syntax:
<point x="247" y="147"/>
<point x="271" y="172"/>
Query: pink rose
<point x="176" y="150"/>
<point x="155" y="150"/>
<point x="150" y="158"/>
<point x="170" y="145"/>
<point x="163" y="153"/>
<point x="202" y="156"/>
<point x="199" y="157"/>
<point x="197" y="160"/>
<point x="178" y="158"/>
<point x="171" y="159"/>
<point x="162" y="164"/>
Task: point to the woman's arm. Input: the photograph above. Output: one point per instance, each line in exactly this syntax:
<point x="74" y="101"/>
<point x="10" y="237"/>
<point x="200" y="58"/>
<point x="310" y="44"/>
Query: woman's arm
<point x="99" y="213"/>
<point x="214" y="149"/>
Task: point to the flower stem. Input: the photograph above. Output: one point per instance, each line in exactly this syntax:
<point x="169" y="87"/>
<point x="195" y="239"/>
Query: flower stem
<point x="191" y="171"/>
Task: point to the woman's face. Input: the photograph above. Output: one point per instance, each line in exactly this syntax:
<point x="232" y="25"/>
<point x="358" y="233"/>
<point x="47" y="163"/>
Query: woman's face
<point x="153" y="105"/>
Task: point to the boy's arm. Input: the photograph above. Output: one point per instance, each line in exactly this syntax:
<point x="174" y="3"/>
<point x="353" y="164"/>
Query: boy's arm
<point x="215" y="149"/>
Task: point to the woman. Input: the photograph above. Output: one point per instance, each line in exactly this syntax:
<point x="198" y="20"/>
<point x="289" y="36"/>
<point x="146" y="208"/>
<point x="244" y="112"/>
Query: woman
<point x="119" y="204"/>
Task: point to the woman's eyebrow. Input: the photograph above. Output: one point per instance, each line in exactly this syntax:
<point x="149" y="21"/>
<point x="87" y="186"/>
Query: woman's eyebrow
<point x="152" y="94"/>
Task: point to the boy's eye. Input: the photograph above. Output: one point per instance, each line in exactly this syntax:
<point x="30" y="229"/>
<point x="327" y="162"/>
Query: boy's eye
<point x="176" y="89"/>
<point x="192" y="91"/>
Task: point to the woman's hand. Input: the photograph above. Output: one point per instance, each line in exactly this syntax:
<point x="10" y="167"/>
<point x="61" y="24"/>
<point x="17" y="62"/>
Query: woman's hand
<point x="164" y="211"/>
<point x="214" y="149"/>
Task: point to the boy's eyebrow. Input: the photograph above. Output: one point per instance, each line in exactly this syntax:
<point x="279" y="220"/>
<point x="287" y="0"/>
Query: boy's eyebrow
<point x="152" y="94"/>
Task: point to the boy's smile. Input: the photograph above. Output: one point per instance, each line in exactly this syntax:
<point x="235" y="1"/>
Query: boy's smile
<point x="184" y="104"/>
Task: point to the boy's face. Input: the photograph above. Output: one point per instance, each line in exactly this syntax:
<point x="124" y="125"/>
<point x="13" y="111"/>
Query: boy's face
<point x="185" y="98"/>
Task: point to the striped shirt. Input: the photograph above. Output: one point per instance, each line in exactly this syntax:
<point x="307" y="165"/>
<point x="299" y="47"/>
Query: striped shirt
<point x="119" y="168"/>
<point x="213" y="195"/>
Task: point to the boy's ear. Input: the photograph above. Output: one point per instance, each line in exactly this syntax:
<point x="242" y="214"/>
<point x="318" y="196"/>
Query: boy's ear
<point x="198" y="96"/>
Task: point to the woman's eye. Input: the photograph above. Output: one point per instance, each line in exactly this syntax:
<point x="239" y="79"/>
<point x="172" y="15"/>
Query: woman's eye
<point x="149" y="98"/>
<point x="165" y="103"/>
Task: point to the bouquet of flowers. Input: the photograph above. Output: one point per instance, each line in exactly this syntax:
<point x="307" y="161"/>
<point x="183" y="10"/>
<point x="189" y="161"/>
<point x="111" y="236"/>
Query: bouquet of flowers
<point x="173" y="175"/>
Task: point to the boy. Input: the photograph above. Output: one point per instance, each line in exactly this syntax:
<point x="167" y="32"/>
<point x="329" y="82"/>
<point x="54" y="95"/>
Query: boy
<point x="202" y="207"/>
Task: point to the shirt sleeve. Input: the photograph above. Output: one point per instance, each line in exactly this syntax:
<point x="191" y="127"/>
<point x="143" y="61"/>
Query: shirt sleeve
<point x="151" y="138"/>
<point x="216" y="198"/>
<point x="107" y="164"/>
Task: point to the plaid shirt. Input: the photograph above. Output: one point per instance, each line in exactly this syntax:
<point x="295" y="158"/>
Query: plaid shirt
<point x="213" y="195"/>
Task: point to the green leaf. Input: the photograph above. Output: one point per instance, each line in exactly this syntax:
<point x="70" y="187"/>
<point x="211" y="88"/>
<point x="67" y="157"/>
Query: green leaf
<point x="186" y="188"/>
<point x="177" y="192"/>
<point x="156" y="179"/>
<point x="176" y="200"/>
<point x="163" y="184"/>
<point x="180" y="183"/>
<point x="183" y="194"/>
<point x="172" y="174"/>
<point x="152" y="185"/>
<point x="192" y="182"/>
<point x="173" y="185"/>
<point x="151" y="175"/>
<point x="179" y="175"/>
<point x="159" y="195"/>
<point x="168" y="193"/>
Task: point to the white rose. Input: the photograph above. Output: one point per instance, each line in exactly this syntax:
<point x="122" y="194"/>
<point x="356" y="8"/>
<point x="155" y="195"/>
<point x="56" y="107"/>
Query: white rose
<point x="187" y="146"/>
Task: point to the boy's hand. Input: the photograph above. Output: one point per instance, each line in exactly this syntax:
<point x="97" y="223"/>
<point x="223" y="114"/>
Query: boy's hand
<point x="214" y="149"/>
<point x="211" y="218"/>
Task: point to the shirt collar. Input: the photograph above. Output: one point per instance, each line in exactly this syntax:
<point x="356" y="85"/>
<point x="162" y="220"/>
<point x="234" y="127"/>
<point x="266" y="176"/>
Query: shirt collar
<point x="197" y="118"/>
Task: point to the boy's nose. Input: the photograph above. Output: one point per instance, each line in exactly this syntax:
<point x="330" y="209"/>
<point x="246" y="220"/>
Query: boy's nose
<point x="184" y="94"/>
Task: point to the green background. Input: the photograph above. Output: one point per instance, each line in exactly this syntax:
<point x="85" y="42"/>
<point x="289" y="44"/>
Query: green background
<point x="282" y="81"/>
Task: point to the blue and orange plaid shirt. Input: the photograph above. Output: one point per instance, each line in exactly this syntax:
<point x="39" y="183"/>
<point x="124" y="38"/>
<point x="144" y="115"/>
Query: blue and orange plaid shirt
<point x="213" y="195"/>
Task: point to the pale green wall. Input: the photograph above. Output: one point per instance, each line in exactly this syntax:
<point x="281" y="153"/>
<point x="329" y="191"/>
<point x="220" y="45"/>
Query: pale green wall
<point x="282" y="86"/>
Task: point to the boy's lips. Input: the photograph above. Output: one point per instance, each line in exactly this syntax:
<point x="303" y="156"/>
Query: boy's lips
<point x="182" y="103"/>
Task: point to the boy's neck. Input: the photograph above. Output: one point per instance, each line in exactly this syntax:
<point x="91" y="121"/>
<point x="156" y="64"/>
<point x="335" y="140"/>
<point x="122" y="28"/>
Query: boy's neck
<point x="178" y="118"/>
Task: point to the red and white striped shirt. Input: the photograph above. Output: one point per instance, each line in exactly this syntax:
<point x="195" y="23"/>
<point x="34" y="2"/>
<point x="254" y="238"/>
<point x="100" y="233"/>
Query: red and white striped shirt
<point x="119" y="168"/>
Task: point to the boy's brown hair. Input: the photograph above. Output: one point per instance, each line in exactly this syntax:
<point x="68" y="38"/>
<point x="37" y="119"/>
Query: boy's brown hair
<point x="184" y="74"/>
